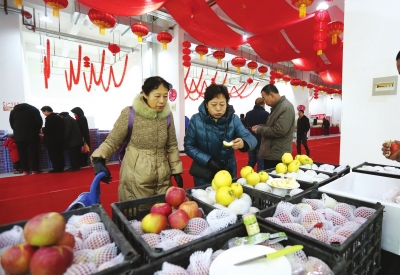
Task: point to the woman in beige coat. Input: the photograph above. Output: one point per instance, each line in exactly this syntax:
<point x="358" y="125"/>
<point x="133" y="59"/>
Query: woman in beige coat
<point x="152" y="154"/>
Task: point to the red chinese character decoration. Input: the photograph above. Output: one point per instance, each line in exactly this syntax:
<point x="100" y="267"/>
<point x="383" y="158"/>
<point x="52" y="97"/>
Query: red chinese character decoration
<point x="102" y="20"/>
<point x="114" y="48"/>
<point x="56" y="5"/>
<point x="164" y="38"/>
<point x="238" y="62"/>
<point x="172" y="95"/>
<point x="334" y="29"/>
<point x="301" y="107"/>
<point x="252" y="65"/>
<point x="302" y="5"/>
<point x="218" y="55"/>
<point x="140" y="30"/>
<point x="263" y="70"/>
<point x="201" y="50"/>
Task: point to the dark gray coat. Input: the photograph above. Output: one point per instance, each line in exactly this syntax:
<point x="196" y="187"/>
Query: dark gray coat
<point x="72" y="134"/>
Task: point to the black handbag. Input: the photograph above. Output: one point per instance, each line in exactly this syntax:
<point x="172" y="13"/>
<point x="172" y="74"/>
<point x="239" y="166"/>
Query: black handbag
<point x="199" y="171"/>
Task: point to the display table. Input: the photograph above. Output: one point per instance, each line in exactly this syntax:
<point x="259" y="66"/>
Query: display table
<point x="319" y="131"/>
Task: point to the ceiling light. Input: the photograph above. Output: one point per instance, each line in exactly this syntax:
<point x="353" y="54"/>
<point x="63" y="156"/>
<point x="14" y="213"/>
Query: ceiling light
<point x="323" y="6"/>
<point x="245" y="36"/>
<point x="46" y="19"/>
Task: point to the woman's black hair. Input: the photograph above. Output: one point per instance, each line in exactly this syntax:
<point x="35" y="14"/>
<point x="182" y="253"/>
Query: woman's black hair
<point x="153" y="83"/>
<point x="214" y="90"/>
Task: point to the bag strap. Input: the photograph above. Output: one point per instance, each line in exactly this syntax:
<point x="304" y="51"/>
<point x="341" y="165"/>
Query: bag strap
<point x="169" y="120"/>
<point x="130" y="123"/>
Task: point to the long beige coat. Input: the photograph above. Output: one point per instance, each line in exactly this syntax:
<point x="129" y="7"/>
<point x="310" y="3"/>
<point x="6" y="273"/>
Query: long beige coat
<point x="151" y="156"/>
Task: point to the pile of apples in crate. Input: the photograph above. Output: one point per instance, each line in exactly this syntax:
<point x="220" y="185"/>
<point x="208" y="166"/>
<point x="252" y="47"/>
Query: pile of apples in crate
<point x="48" y="245"/>
<point x="228" y="196"/>
<point x="325" y="219"/>
<point x="178" y="221"/>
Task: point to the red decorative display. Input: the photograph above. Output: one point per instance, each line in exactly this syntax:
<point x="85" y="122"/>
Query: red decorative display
<point x="140" y="30"/>
<point x="295" y="82"/>
<point x="303" y="84"/>
<point x="86" y="62"/>
<point x="102" y="20"/>
<point x="114" y="48"/>
<point x="252" y="65"/>
<point x="219" y="55"/>
<point x="286" y="78"/>
<point x="164" y="38"/>
<point x="186" y="54"/>
<point x="321" y="17"/>
<point x="301" y="107"/>
<point x="334" y="29"/>
<point x="201" y="50"/>
<point x="46" y="67"/>
<point x="238" y="62"/>
<point x="249" y="80"/>
<point x="302" y="5"/>
<point x="278" y="75"/>
<point x="262" y="70"/>
<point x="56" y="5"/>
<point x="186" y="44"/>
<point x="125" y="7"/>
<point x="172" y="95"/>
<point x="310" y="86"/>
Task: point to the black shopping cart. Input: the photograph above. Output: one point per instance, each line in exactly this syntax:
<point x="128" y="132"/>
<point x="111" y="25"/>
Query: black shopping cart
<point x="87" y="199"/>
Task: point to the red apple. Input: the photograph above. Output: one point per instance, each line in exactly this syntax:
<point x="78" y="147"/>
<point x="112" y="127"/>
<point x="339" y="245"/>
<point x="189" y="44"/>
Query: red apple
<point x="175" y="196"/>
<point x="162" y="208"/>
<point x="53" y="260"/>
<point x="394" y="147"/>
<point x="178" y="219"/>
<point x="44" y="229"/>
<point x="200" y="214"/>
<point x="186" y="199"/>
<point x="154" y="223"/>
<point x="67" y="239"/>
<point x="15" y="260"/>
<point x="190" y="207"/>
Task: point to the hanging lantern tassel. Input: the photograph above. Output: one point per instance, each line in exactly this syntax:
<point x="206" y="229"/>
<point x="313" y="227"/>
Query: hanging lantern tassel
<point x="302" y="11"/>
<point x="56" y="12"/>
<point x="201" y="56"/>
<point x="56" y="5"/>
<point x="18" y="3"/>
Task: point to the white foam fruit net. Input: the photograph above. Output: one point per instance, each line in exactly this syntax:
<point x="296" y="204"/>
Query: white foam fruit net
<point x="315" y="266"/>
<point x="247" y="198"/>
<point x="171" y="269"/>
<point x="206" y="232"/>
<point x="88" y="218"/>
<point x="346" y="210"/>
<point x="83" y="256"/>
<point x="304" y="206"/>
<point x="197" y="193"/>
<point x="11" y="237"/>
<point x="96" y="240"/>
<point x="151" y="239"/>
<point x="295" y="191"/>
<point x="182" y="239"/>
<point x="360" y="220"/>
<point x="81" y="269"/>
<point x="345" y="231"/>
<point x="196" y="226"/>
<point x="137" y="226"/>
<point x="320" y="234"/>
<point x="104" y="254"/>
<point x="200" y="262"/>
<point x="314" y="203"/>
<point x="311" y="219"/>
<point x="165" y="245"/>
<point x="78" y="244"/>
<point x="240" y="206"/>
<point x="364" y="212"/>
<point x="87" y="229"/>
<point x="328" y="201"/>
<point x="274" y="220"/>
<point x="218" y="219"/>
<point x="295" y="227"/>
<point x="276" y="246"/>
<point x="335" y="217"/>
<point x="336" y="239"/>
<point x="114" y="261"/>
<point x="169" y="234"/>
<point x="74" y="231"/>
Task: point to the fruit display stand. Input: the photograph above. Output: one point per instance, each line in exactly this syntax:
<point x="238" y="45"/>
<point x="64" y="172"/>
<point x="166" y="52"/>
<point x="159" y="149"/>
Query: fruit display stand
<point x="373" y="188"/>
<point x="217" y="242"/>
<point x="124" y="212"/>
<point x="340" y="173"/>
<point x="378" y="169"/>
<point x="361" y="250"/>
<point x="130" y="255"/>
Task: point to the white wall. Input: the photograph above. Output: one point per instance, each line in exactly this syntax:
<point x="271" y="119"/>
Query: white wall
<point x="370" y="47"/>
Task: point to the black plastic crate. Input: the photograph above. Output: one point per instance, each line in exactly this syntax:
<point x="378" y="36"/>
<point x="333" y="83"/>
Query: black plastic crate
<point x="339" y="174"/>
<point x="361" y="250"/>
<point x="181" y="258"/>
<point x="376" y="173"/>
<point x="123" y="212"/>
<point x="131" y="257"/>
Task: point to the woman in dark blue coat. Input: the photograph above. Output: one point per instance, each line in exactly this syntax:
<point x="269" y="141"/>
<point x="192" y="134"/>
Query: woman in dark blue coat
<point x="215" y="123"/>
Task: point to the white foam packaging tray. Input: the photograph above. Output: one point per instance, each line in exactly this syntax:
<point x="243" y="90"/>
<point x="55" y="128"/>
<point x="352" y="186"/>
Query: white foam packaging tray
<point x="371" y="188"/>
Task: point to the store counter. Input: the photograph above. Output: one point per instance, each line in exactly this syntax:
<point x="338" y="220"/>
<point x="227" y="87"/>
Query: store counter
<point x="319" y="131"/>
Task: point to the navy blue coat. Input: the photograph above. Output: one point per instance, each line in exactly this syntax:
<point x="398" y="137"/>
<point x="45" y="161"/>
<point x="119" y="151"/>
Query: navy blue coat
<point x="204" y="138"/>
<point x="254" y="117"/>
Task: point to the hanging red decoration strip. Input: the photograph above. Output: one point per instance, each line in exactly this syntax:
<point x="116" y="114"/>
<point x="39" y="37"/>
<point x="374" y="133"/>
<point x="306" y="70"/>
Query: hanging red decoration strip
<point x="219" y="55"/>
<point x="252" y="65"/>
<point x="164" y="38"/>
<point x="56" y="5"/>
<point x="140" y="30"/>
<point x="102" y="20"/>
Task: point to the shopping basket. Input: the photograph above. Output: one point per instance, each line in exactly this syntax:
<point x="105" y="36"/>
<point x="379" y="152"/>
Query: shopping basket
<point x="87" y="199"/>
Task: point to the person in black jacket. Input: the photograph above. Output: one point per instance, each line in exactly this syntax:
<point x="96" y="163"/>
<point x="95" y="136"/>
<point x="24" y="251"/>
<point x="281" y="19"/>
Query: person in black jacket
<point x="72" y="141"/>
<point x="256" y="116"/>
<point x="84" y="128"/>
<point x="303" y="125"/>
<point x="54" y="138"/>
<point x="326" y="124"/>
<point x="26" y="122"/>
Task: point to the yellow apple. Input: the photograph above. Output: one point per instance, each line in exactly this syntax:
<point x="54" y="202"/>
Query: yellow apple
<point x="293" y="167"/>
<point x="224" y="195"/>
<point x="297" y="157"/>
<point x="304" y="159"/>
<point x="287" y="158"/>
<point x="213" y="185"/>
<point x="281" y="168"/>
<point x="237" y="189"/>
<point x="245" y="170"/>
<point x="222" y="178"/>
<point x="263" y="176"/>
<point x="253" y="178"/>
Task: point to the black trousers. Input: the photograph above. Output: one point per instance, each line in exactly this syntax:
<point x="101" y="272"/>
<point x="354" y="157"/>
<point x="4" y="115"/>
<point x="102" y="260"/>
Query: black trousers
<point x="24" y="149"/>
<point x="84" y="159"/>
<point x="326" y="131"/>
<point x="75" y="156"/>
<point x="271" y="163"/>
<point x="56" y="154"/>
<point x="302" y="139"/>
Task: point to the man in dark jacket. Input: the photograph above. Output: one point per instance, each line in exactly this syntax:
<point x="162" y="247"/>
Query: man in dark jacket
<point x="326" y="124"/>
<point x="72" y="141"/>
<point x="54" y="138"/>
<point x="256" y="116"/>
<point x="303" y="125"/>
<point x="84" y="128"/>
<point x="26" y="122"/>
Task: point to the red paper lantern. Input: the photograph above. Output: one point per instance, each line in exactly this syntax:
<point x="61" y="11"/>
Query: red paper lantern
<point x="86" y="58"/>
<point x="218" y="55"/>
<point x="56" y="5"/>
<point x="249" y="80"/>
<point x="102" y="20"/>
<point x="186" y="44"/>
<point x="186" y="51"/>
<point x="334" y="29"/>
<point x="302" y="5"/>
<point x="320" y="26"/>
<point x="252" y="66"/>
<point x="319" y="36"/>
<point x="319" y="46"/>
<point x="114" y="48"/>
<point x="186" y="58"/>
<point x="310" y="86"/>
<point x="263" y="70"/>
<point x="238" y="62"/>
<point x="164" y="38"/>
<point x="201" y="50"/>
<point x="295" y="82"/>
<point x="286" y="78"/>
<point x="321" y="15"/>
<point x="272" y="81"/>
<point x="186" y="64"/>
<point x="278" y="75"/>
<point x="303" y="84"/>
<point x="140" y="30"/>
<point x="86" y="62"/>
